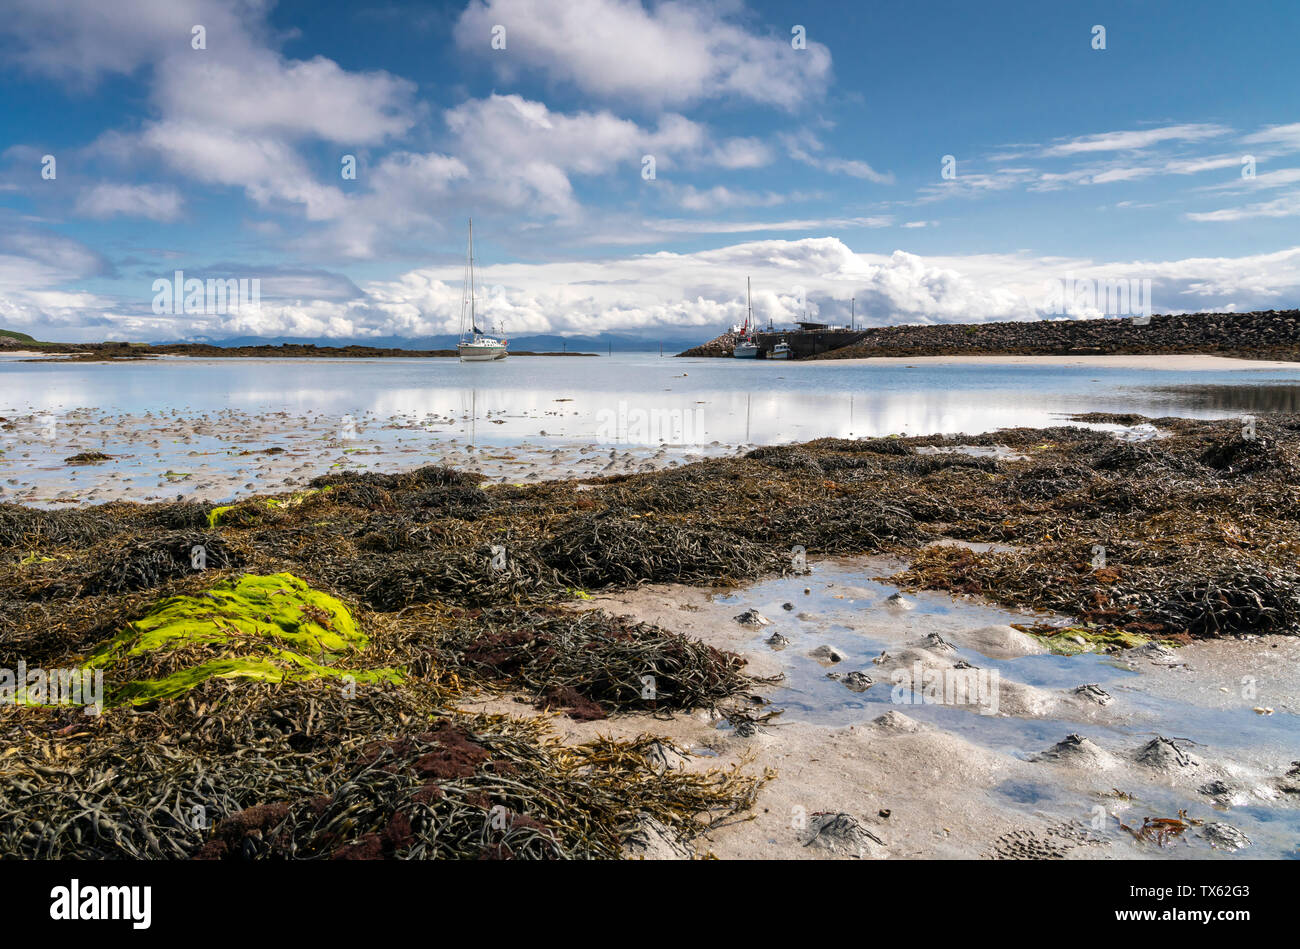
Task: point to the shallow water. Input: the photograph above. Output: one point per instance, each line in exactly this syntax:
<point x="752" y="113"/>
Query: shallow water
<point x="198" y="427"/>
<point x="849" y="610"/>
<point x="731" y="401"/>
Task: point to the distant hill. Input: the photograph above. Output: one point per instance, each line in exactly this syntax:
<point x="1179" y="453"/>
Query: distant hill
<point x="15" y="335"/>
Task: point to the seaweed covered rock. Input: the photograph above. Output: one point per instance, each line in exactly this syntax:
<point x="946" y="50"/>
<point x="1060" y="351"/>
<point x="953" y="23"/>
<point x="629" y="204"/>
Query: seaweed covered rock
<point x="1240" y="455"/>
<point x="430" y="476"/>
<point x="149" y="563"/>
<point x="387" y="577"/>
<point x="603" y="549"/>
<point x="617" y="664"/>
<point x="787" y="458"/>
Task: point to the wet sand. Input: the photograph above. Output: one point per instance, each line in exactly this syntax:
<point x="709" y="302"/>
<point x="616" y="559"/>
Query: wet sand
<point x="223" y="456"/>
<point x="952" y="781"/>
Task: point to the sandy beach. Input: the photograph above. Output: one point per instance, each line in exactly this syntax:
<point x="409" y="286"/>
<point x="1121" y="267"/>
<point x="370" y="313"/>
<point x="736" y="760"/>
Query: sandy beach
<point x="1162" y="362"/>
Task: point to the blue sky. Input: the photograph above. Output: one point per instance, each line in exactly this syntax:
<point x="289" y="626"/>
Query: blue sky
<point x="815" y="170"/>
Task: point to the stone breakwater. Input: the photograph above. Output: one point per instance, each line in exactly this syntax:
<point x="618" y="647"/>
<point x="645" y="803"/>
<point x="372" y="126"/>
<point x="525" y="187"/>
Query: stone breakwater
<point x="722" y="345"/>
<point x="1271" y="334"/>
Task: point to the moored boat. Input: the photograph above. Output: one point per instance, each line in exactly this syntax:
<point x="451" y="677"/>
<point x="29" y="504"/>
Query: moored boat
<point x="475" y="345"/>
<point x="746" y="346"/>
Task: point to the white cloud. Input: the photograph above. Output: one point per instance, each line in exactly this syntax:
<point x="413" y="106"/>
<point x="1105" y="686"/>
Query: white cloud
<point x="677" y="226"/>
<point x="704" y="290"/>
<point x="155" y="202"/>
<point x="267" y="169"/>
<point x="1288" y="205"/>
<point x="79" y="41"/>
<point x="1134" y="140"/>
<point x="671" y="54"/>
<point x="248" y="90"/>
<point x="807" y="148"/>
<point x="523" y="154"/>
<point x="736" y="153"/>
<point x="34" y="265"/>
<point x="1261" y="182"/>
<point x="720" y="196"/>
<point x="1285" y="135"/>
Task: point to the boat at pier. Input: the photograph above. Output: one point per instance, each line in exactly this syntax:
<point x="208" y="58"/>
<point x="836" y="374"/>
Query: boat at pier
<point x="747" y="346"/>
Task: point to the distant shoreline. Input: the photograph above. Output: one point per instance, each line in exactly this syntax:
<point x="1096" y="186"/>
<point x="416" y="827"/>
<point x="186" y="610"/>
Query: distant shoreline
<point x="124" y="352"/>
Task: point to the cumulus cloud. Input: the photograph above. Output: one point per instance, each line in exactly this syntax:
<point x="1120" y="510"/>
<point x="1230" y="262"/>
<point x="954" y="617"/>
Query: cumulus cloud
<point x="649" y="294"/>
<point x="249" y="90"/>
<point x="526" y="153"/>
<point x="669" y="54"/>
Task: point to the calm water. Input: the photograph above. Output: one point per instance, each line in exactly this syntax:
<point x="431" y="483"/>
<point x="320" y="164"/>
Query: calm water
<point x="645" y="399"/>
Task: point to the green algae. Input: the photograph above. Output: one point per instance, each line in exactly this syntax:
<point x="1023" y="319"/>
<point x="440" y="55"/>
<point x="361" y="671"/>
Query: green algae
<point x="1064" y="640"/>
<point x="218" y="515"/>
<point x="269" y="628"/>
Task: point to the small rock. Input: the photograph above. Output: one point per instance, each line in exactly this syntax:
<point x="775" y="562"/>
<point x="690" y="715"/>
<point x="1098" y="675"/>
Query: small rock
<point x="1165" y="755"/>
<point x="842" y="834"/>
<point x="896" y="721"/>
<point x="827" y="654"/>
<point x="1223" y="836"/>
<point x="858" y="681"/>
<point x="900" y="602"/>
<point x="1160" y="654"/>
<point x="752" y="618"/>
<point x="777" y="641"/>
<point x="1093" y="693"/>
<point x="935" y="641"/>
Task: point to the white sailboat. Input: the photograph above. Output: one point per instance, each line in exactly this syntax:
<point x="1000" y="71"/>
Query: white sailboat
<point x="747" y="345"/>
<point x="475" y="345"/>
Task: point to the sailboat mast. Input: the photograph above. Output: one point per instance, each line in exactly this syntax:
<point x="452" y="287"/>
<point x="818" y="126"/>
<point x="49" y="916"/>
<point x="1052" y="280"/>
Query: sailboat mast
<point x="473" y="319"/>
<point x="749" y="309"/>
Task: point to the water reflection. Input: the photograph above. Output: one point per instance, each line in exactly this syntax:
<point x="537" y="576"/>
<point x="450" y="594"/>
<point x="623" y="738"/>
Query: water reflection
<point x="1226" y="398"/>
<point x="555" y="400"/>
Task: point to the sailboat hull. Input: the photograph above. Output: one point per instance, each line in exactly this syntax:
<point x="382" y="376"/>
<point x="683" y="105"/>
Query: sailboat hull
<point x="472" y="352"/>
<point x="745" y="351"/>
